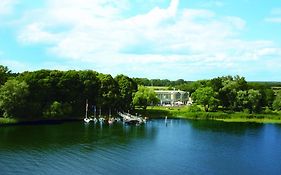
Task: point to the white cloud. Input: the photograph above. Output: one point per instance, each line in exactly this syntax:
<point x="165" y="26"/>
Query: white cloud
<point x="273" y="19"/>
<point x="36" y="34"/>
<point x="276" y="11"/>
<point x="6" y="6"/>
<point x="99" y="33"/>
<point x="275" y="16"/>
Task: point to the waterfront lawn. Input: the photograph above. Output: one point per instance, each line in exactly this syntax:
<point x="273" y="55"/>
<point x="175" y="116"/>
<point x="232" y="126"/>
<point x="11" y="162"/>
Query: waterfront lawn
<point x="183" y="112"/>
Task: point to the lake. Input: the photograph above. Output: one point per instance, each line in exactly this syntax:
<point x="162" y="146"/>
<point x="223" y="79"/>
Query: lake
<point x="175" y="147"/>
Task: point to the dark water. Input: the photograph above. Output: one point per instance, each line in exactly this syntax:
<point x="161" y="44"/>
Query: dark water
<point x="181" y="147"/>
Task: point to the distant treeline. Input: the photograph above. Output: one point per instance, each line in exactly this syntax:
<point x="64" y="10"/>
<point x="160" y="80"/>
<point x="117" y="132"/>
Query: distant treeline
<point x="183" y="84"/>
<point x="159" y="82"/>
<point x="54" y="93"/>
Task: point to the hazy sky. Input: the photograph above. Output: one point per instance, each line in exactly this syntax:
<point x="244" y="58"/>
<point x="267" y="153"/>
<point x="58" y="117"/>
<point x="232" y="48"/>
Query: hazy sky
<point x="189" y="39"/>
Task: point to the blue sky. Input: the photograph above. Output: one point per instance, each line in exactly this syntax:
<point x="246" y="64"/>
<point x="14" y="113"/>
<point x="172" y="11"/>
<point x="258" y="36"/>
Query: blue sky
<point x="189" y="39"/>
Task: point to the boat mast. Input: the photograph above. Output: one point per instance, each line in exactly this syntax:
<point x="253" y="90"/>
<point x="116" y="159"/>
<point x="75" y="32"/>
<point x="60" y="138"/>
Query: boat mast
<point x="86" y="108"/>
<point x="95" y="111"/>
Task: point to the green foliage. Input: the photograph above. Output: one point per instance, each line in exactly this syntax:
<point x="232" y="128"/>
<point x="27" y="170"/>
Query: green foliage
<point x="58" y="110"/>
<point x="53" y="93"/>
<point x="127" y="87"/>
<point x="13" y="98"/>
<point x="267" y="97"/>
<point x="242" y="100"/>
<point x="267" y="110"/>
<point x="145" y="97"/>
<point x="159" y="82"/>
<point x="249" y="100"/>
<point x="277" y="102"/>
<point x="109" y="91"/>
<point x="207" y="97"/>
<point x="254" y="97"/>
<point x="228" y="91"/>
<point x="73" y="88"/>
<point x="4" y="74"/>
<point x="234" y="94"/>
<point x="194" y="108"/>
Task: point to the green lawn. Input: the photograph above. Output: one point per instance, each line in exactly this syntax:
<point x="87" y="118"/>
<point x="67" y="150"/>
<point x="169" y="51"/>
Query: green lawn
<point x="183" y="112"/>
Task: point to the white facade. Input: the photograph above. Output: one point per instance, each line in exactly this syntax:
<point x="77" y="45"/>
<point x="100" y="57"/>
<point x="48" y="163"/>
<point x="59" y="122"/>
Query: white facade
<point x="172" y="97"/>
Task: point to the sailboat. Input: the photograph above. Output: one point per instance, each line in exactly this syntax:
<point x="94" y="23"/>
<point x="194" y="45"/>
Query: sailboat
<point x="101" y="119"/>
<point x="110" y="120"/>
<point x="87" y="119"/>
<point x="95" y="114"/>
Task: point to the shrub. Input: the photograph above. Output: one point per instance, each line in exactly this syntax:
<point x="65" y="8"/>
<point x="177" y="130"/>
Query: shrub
<point x="57" y="110"/>
<point x="194" y="108"/>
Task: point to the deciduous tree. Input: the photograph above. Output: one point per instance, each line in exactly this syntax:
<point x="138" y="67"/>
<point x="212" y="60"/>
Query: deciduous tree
<point x="145" y="97"/>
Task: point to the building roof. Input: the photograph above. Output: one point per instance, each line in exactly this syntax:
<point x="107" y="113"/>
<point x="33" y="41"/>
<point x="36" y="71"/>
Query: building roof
<point x="169" y="91"/>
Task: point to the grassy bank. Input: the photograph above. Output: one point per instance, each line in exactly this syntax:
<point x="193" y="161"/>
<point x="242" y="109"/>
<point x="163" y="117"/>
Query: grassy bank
<point x="183" y="112"/>
<point x="8" y="121"/>
<point x="172" y="112"/>
<point x="11" y="121"/>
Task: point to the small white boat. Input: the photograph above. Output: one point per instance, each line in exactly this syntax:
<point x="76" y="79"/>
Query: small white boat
<point x="111" y="120"/>
<point x="87" y="120"/>
<point x="118" y="119"/>
<point x="101" y="119"/>
<point x="95" y="120"/>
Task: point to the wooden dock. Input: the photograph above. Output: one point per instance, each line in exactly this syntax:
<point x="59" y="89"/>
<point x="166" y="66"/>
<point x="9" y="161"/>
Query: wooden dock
<point x="131" y="119"/>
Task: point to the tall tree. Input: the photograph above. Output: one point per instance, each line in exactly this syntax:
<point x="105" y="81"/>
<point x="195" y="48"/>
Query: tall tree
<point x="4" y="74"/>
<point x="13" y="98"/>
<point x="206" y="97"/>
<point x="127" y="88"/>
<point x="231" y="85"/>
<point x="242" y="100"/>
<point x="145" y="97"/>
<point x="254" y="97"/>
<point x="109" y="92"/>
<point x="91" y="86"/>
<point x="277" y="102"/>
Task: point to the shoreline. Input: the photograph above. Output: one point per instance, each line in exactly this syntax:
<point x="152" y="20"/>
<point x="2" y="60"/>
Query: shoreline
<point x="181" y="112"/>
<point x="162" y="112"/>
<point x="11" y="122"/>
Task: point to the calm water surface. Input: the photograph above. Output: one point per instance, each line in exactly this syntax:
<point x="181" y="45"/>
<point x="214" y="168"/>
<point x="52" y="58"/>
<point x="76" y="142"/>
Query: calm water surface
<point x="180" y="147"/>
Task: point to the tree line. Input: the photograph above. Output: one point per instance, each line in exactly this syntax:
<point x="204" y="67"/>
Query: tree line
<point x="160" y="82"/>
<point x="54" y="93"/>
<point x="234" y="94"/>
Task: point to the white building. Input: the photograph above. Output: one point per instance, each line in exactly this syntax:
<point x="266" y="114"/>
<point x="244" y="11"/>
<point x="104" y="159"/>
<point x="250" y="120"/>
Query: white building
<point x="173" y="97"/>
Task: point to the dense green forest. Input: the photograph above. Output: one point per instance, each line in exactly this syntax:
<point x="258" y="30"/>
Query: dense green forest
<point x="62" y="94"/>
<point x="53" y="93"/>
<point x="233" y="94"/>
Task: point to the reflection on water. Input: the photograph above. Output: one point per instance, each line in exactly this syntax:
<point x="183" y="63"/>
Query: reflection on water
<point x="231" y="128"/>
<point x="158" y="147"/>
<point x="67" y="134"/>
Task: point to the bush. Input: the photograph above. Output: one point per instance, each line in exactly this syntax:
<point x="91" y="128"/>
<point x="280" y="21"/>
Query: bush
<point x="267" y="110"/>
<point x="247" y="111"/>
<point x="194" y="108"/>
<point x="57" y="110"/>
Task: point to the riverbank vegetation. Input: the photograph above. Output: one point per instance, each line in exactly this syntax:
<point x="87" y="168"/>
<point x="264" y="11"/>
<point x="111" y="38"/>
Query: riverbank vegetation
<point x="60" y="95"/>
<point x="160" y="112"/>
